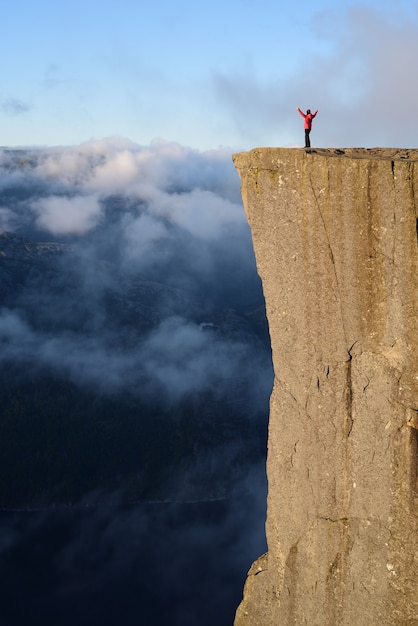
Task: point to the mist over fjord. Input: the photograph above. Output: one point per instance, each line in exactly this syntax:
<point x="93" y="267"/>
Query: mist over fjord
<point x="130" y="290"/>
<point x="136" y="368"/>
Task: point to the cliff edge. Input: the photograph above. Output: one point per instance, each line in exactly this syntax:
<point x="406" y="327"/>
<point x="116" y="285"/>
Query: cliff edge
<point x="335" y="240"/>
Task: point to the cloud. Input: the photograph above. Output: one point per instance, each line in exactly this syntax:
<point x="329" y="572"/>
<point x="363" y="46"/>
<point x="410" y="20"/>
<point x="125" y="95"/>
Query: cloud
<point x="8" y="220"/>
<point x="212" y="216"/>
<point x="131" y="313"/>
<point x="118" y="165"/>
<point x="142" y="234"/>
<point x="14" y="107"/>
<point x="360" y="82"/>
<point x="159" y="246"/>
<point x="177" y="359"/>
<point x="182" y="358"/>
<point x="61" y="215"/>
<point x="141" y="194"/>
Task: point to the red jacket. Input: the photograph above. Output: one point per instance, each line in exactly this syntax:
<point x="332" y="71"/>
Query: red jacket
<point x="308" y="119"/>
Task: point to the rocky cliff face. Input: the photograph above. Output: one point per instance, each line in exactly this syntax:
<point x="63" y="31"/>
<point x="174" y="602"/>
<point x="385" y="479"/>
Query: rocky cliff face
<point x="335" y="238"/>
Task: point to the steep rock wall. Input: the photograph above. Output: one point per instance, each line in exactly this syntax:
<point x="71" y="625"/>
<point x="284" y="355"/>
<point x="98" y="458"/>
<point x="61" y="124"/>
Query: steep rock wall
<point x="335" y="239"/>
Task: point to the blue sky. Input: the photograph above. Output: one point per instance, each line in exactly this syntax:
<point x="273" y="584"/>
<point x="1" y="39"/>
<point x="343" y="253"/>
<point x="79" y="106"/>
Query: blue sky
<point x="227" y="73"/>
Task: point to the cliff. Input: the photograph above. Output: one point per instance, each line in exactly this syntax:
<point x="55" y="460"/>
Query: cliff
<point x="335" y="239"/>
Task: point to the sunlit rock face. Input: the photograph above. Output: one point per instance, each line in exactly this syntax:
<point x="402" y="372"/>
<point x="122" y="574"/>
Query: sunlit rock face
<point x="335" y="238"/>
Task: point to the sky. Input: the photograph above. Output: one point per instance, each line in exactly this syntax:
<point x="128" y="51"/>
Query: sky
<point x="209" y="75"/>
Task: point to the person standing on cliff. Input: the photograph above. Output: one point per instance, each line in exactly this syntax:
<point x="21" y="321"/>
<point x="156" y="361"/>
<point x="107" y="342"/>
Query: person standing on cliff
<point x="308" y="124"/>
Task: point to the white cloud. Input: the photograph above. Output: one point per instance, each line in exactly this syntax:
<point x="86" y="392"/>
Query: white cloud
<point x="141" y="235"/>
<point x="147" y="300"/>
<point x="8" y="219"/>
<point x="61" y="215"/>
<point x="198" y="192"/>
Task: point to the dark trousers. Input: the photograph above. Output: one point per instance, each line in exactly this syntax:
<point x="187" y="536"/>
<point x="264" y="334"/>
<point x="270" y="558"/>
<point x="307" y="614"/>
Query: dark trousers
<point x="307" y="140"/>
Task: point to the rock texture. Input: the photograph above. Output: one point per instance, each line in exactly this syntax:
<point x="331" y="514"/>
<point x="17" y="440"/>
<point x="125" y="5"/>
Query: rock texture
<point x="335" y="239"/>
